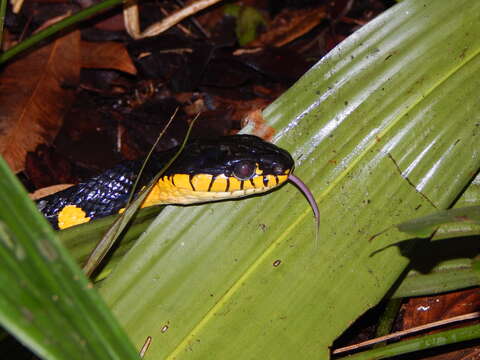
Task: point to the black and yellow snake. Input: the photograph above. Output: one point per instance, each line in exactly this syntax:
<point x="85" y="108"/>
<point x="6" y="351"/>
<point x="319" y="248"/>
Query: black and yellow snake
<point x="206" y="170"/>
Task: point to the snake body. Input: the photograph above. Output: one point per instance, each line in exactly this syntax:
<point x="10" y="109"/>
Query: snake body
<point x="206" y="170"/>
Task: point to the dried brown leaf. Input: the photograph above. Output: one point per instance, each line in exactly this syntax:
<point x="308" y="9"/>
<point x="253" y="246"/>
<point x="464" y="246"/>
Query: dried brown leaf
<point x="290" y="25"/>
<point x="107" y="55"/>
<point x="257" y="124"/>
<point x="49" y="190"/>
<point x="424" y="310"/>
<point x="35" y="93"/>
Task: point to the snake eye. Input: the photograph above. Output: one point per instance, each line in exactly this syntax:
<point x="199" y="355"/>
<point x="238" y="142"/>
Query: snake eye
<point x="244" y="170"/>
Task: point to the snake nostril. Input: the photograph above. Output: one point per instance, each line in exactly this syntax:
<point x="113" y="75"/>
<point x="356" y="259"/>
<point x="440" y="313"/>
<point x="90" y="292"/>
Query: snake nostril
<point x="278" y="169"/>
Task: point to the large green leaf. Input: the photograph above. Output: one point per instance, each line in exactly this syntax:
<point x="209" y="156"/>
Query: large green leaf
<point x="449" y="264"/>
<point x="383" y="129"/>
<point x="46" y="301"/>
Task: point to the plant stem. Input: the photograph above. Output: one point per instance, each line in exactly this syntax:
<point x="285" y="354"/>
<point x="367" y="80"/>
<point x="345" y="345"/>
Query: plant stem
<point x="421" y="343"/>
<point x="41" y="35"/>
<point x="3" y="10"/>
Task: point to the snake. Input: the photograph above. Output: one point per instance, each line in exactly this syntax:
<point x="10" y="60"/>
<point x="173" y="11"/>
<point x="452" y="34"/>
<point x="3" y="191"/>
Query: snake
<point x="206" y="170"/>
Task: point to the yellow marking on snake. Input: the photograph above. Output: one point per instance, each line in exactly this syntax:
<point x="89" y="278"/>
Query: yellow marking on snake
<point x="201" y="182"/>
<point x="235" y="184"/>
<point x="258" y="181"/>
<point x="271" y="181"/>
<point x="247" y="185"/>
<point x="219" y="184"/>
<point x="177" y="189"/>
<point x="71" y="215"/>
<point x="181" y="181"/>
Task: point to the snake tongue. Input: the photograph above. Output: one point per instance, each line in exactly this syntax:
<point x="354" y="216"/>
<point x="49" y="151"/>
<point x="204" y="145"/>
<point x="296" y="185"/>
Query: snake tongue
<point x="311" y="200"/>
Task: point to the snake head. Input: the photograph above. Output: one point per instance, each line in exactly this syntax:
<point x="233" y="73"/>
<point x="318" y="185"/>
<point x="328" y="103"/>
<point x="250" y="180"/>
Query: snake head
<point x="226" y="167"/>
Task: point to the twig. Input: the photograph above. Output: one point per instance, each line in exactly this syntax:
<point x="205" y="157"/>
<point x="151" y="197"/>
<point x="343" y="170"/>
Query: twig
<point x="180" y="26"/>
<point x="194" y="21"/>
<point x="402" y="333"/>
<point x="122" y="221"/>
<point x="132" y="22"/>
<point x="106" y="243"/>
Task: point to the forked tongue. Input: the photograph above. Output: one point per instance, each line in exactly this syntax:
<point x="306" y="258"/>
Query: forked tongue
<point x="311" y="200"/>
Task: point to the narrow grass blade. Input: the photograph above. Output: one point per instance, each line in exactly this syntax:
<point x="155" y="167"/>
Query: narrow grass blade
<point x="420" y="343"/>
<point x="425" y="225"/>
<point x="55" y="28"/>
<point x="120" y="224"/>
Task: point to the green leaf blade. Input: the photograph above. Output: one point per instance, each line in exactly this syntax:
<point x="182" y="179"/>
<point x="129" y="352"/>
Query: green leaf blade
<point x="424" y="226"/>
<point x="46" y="301"/>
<point x="369" y="128"/>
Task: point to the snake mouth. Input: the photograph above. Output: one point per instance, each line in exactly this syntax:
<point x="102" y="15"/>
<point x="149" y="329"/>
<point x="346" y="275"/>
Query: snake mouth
<point x="199" y="188"/>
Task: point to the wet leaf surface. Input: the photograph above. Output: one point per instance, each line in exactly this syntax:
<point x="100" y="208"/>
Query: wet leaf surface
<point x="125" y="98"/>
